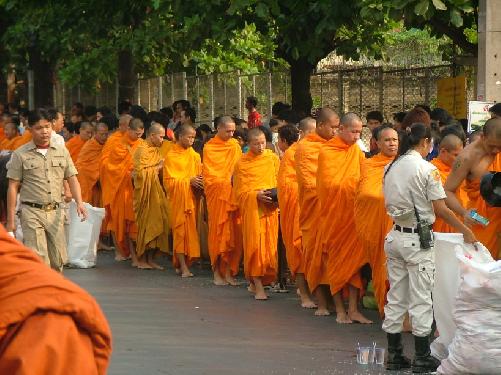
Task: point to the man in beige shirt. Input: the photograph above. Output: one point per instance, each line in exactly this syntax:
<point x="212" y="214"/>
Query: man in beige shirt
<point x="36" y="171"/>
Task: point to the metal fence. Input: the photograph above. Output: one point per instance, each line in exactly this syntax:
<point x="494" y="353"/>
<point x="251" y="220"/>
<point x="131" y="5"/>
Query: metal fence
<point x="360" y="90"/>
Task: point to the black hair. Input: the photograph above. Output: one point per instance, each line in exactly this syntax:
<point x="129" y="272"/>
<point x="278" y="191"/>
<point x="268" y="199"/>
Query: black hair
<point x="52" y="113"/>
<point x="409" y="139"/>
<point x="456" y="130"/>
<point x="190" y="112"/>
<point x="252" y="100"/>
<point x="288" y="133"/>
<point x="69" y="126"/>
<point x="137" y="111"/>
<point x="441" y="116"/>
<point x="105" y="111"/>
<point x="90" y="111"/>
<point x="124" y="107"/>
<point x="158" y="117"/>
<point x="289" y="116"/>
<point x="15" y="120"/>
<point x="241" y="133"/>
<point x="399" y="116"/>
<point x="205" y="128"/>
<point x="267" y="133"/>
<point x="425" y="107"/>
<point x="167" y="111"/>
<point x="273" y="122"/>
<point x="279" y="107"/>
<point x="496" y="109"/>
<point x="111" y="121"/>
<point x="37" y="115"/>
<point x="377" y="130"/>
<point x="375" y="115"/>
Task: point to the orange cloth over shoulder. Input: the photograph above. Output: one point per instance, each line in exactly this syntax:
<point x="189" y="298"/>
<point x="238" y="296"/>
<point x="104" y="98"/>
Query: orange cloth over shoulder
<point x="440" y="225"/>
<point x="2" y="131"/>
<point x="338" y="176"/>
<point x="74" y="146"/>
<point x="489" y="236"/>
<point x="87" y="165"/>
<point x="48" y="325"/>
<point x="306" y="159"/>
<point x="109" y="146"/>
<point x="259" y="220"/>
<point x="116" y="169"/>
<point x="289" y="210"/>
<point x="372" y="223"/>
<point x="180" y="166"/>
<point x="225" y="245"/>
<point x="10" y="144"/>
<point x="150" y="205"/>
<point x="25" y="138"/>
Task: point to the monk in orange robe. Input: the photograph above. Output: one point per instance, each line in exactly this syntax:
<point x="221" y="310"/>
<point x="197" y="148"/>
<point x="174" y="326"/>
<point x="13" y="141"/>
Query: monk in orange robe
<point x="255" y="174"/>
<point x="12" y="137"/>
<point x="48" y="325"/>
<point x="372" y="223"/>
<point x="220" y="156"/>
<point x="289" y="209"/>
<point x="450" y="147"/>
<point x="183" y="185"/>
<point x="75" y="144"/>
<point x="87" y="166"/>
<point x="116" y="175"/>
<point x="150" y="205"/>
<point x="338" y="176"/>
<point x="477" y="159"/>
<point x="25" y="138"/>
<point x="309" y="208"/>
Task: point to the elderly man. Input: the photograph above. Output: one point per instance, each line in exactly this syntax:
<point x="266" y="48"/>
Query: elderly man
<point x="150" y="205"/>
<point x="220" y="156"/>
<point x="338" y="175"/>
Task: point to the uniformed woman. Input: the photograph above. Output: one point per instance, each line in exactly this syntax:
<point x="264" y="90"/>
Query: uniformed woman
<point x="413" y="195"/>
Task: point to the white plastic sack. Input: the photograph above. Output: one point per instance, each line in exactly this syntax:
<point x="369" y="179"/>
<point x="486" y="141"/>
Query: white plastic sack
<point x="476" y="345"/>
<point x="84" y="236"/>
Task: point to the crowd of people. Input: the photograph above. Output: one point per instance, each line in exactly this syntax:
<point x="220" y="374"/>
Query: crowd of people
<point x="162" y="177"/>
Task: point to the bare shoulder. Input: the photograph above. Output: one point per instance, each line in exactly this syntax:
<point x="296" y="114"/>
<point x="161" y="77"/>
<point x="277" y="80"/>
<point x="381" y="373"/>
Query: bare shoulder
<point x="464" y="160"/>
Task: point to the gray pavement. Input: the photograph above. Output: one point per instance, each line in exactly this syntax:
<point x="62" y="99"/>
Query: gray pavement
<point x="163" y="324"/>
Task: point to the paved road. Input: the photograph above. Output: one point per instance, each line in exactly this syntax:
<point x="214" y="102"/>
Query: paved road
<point x="163" y="324"/>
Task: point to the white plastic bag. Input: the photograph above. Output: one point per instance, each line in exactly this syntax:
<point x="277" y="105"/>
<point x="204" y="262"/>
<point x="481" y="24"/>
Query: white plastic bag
<point x="476" y="346"/>
<point x="84" y="236"/>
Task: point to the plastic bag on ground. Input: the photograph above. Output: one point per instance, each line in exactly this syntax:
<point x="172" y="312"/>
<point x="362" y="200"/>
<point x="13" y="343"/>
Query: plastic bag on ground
<point x="84" y="236"/>
<point x="476" y="344"/>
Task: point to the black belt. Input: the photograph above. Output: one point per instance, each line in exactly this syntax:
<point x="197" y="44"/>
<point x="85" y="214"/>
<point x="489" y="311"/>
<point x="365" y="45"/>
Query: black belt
<point x="406" y="229"/>
<point x="45" y="207"/>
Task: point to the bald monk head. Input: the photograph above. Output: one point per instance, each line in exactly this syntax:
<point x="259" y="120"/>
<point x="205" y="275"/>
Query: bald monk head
<point x="155" y="134"/>
<point x="350" y="128"/>
<point x="306" y="126"/>
<point x="387" y="141"/>
<point x="86" y="131"/>
<point x="10" y="130"/>
<point x="491" y="136"/>
<point x="123" y="122"/>
<point x="101" y="134"/>
<point x="256" y="140"/>
<point x="327" y="123"/>
<point x="136" y="129"/>
<point x="450" y="147"/>
<point x="225" y="128"/>
<point x="185" y="136"/>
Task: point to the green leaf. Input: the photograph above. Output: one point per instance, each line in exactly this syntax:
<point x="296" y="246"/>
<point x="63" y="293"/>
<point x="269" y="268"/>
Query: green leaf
<point x="439" y="5"/>
<point x="456" y="18"/>
<point x="421" y="8"/>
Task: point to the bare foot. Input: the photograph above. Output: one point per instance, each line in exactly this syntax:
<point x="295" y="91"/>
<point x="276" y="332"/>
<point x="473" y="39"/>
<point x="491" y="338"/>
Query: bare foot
<point x="342" y="318"/>
<point x="186" y="274"/>
<point x="178" y="271"/>
<point x="322" y="312"/>
<point x="120" y="258"/>
<point x="261" y="296"/>
<point x="357" y="317"/>
<point x="232" y="281"/>
<point x="308" y="304"/>
<point x="155" y="265"/>
<point x="251" y="288"/>
<point x="141" y="265"/>
<point x="218" y="280"/>
<point x="102" y="246"/>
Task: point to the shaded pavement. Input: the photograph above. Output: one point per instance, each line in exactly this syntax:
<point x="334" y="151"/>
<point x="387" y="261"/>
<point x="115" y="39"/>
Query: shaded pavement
<point x="163" y="324"/>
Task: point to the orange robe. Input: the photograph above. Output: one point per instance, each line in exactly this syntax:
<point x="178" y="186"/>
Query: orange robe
<point x="225" y="247"/>
<point x="116" y="175"/>
<point x="2" y="131"/>
<point x="25" y="138"/>
<point x="150" y="205"/>
<point x="289" y="211"/>
<point x="180" y="166"/>
<point x="309" y="207"/>
<point x="87" y="166"/>
<point x="259" y="220"/>
<point x="74" y="146"/>
<point x="10" y="144"/>
<point x="48" y="325"/>
<point x="489" y="236"/>
<point x="372" y="223"/>
<point x="338" y="176"/>
<point x="440" y="225"/>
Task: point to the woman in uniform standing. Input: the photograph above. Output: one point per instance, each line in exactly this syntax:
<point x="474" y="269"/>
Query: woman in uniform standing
<point x="413" y="195"/>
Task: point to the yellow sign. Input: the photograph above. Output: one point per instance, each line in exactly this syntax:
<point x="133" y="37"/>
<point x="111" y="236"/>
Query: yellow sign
<point x="451" y="96"/>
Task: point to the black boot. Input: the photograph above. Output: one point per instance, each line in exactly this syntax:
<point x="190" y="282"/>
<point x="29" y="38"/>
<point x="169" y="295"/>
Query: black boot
<point x="396" y="359"/>
<point x="423" y="361"/>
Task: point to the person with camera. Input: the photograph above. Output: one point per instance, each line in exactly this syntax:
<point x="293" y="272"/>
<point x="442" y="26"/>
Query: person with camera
<point x="254" y="186"/>
<point x="413" y="195"/>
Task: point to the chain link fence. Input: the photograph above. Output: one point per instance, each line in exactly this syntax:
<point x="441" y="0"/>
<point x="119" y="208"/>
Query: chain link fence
<point x="359" y="90"/>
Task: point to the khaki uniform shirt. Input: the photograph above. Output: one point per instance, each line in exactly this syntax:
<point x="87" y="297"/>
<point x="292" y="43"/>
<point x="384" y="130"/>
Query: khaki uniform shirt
<point x="412" y="181"/>
<point x="41" y="176"/>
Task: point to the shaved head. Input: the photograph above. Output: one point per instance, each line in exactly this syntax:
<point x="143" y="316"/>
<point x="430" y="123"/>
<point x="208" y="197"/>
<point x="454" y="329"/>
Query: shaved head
<point x="256" y="140"/>
<point x="136" y="124"/>
<point x="254" y="133"/>
<point x="492" y="128"/>
<point x="225" y="127"/>
<point x="185" y="130"/>
<point x="327" y="123"/>
<point x="123" y="122"/>
<point x="451" y="142"/>
<point x="86" y="131"/>
<point x="155" y="128"/>
<point x="307" y="126"/>
<point x="350" y="128"/>
<point x="86" y="125"/>
<point x="185" y="135"/>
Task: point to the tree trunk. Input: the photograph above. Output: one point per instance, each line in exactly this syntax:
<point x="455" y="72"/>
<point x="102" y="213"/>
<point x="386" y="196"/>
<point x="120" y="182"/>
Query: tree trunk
<point x="300" y="85"/>
<point x="43" y="73"/>
<point x="126" y="76"/>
